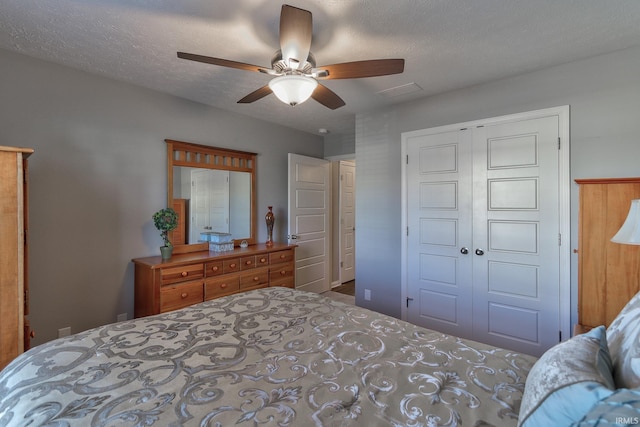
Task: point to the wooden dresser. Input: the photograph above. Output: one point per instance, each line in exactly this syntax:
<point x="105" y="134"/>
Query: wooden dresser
<point x="608" y="273"/>
<point x="15" y="333"/>
<point x="186" y="279"/>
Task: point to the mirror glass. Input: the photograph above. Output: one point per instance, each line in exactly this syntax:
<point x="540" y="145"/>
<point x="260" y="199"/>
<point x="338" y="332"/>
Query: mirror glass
<point x="214" y="200"/>
<point x="213" y="191"/>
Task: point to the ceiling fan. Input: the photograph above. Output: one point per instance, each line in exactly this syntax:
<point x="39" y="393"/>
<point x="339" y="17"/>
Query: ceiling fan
<point x="295" y="66"/>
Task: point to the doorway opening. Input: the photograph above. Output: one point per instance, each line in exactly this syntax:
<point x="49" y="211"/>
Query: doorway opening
<point x="343" y="223"/>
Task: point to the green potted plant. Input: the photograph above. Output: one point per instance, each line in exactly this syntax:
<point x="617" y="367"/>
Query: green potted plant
<point x="165" y="221"/>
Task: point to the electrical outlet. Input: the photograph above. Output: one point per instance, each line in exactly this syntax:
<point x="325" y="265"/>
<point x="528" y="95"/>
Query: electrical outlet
<point x="121" y="317"/>
<point x="367" y="294"/>
<point x="64" y="332"/>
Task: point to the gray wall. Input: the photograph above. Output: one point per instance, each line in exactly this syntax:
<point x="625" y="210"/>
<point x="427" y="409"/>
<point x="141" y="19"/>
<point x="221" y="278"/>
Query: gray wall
<point x="339" y="145"/>
<point x="98" y="174"/>
<point x="604" y="97"/>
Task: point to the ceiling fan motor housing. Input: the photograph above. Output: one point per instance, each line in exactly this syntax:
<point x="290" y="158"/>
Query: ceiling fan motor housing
<point x="280" y="66"/>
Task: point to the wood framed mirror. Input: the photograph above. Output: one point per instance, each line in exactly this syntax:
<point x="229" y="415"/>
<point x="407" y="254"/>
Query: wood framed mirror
<point x="213" y="190"/>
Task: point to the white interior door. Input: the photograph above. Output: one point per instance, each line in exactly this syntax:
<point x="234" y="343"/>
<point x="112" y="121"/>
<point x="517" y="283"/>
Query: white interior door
<point x="347" y="221"/>
<point x="483" y="244"/>
<point x="209" y="205"/>
<point x="199" y="203"/>
<point x="516" y="265"/>
<point x="439" y="231"/>
<point x="309" y="221"/>
<point x="219" y="201"/>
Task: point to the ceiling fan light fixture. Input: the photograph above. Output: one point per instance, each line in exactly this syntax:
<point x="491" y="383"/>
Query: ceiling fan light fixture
<point x="293" y="89"/>
<point x="295" y="65"/>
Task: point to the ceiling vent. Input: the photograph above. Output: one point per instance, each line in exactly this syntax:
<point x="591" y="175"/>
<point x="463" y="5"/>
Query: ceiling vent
<point x="400" y="90"/>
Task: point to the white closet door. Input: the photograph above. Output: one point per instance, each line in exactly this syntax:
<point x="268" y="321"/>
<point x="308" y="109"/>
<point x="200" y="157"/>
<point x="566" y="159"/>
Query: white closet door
<point x="516" y="227"/>
<point x="439" y="257"/>
<point x="483" y="219"/>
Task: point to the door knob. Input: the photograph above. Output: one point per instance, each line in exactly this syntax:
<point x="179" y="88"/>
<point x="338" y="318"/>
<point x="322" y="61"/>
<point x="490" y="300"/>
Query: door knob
<point x="479" y="251"/>
<point x="464" y="251"/>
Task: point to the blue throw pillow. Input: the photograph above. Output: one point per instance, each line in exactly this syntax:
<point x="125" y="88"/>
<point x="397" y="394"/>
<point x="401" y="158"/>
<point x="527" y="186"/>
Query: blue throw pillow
<point x="620" y="408"/>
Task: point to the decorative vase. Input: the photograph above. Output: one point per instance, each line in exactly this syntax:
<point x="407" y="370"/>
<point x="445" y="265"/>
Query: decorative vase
<point x="270" y="219"/>
<point x="166" y="252"/>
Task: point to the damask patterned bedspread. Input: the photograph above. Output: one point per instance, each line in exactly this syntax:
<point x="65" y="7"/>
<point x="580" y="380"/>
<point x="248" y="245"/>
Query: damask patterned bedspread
<point x="273" y="357"/>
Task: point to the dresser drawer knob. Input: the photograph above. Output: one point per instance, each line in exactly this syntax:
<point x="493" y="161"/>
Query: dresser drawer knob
<point x="232" y="265"/>
<point x="214" y="268"/>
<point x="184" y="295"/>
<point x="283" y="256"/>
<point x="263" y="260"/>
<point x="223" y="285"/>
<point x="184" y="274"/>
<point x="255" y="279"/>
<point x="283" y="272"/>
<point x="248" y="262"/>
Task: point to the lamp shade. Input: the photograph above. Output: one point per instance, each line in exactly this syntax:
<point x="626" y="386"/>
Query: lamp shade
<point x="293" y="89"/>
<point x="629" y="233"/>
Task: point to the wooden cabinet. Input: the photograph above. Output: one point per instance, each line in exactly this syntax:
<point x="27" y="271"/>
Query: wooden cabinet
<point x="608" y="273"/>
<point x="186" y="279"/>
<point x="14" y="291"/>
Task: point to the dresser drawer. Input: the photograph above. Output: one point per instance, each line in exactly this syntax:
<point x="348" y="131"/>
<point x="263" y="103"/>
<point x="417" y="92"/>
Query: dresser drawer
<point x="218" y="286"/>
<point x="256" y="277"/>
<point x="231" y="265"/>
<point x="213" y="268"/>
<point x="173" y="297"/>
<point x="247" y="262"/>
<point x="262" y="260"/>
<point x="280" y="257"/>
<point x="283" y="271"/>
<point x="181" y="274"/>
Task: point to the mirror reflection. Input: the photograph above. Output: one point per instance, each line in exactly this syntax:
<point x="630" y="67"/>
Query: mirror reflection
<point x="213" y="191"/>
<point x="213" y="201"/>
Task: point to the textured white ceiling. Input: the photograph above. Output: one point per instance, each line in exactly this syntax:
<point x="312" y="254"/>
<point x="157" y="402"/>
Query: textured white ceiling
<point x="447" y="44"/>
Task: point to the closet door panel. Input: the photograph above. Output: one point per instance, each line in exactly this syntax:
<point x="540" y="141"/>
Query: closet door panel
<point x="516" y="226"/>
<point x="439" y="219"/>
<point x="513" y="194"/>
<point x="501" y="274"/>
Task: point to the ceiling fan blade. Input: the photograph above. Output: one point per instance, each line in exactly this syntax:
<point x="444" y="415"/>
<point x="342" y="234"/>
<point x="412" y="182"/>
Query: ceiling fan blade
<point x="359" y="69"/>
<point x="296" y="29"/>
<point x="256" y="94"/>
<point x="222" y="62"/>
<point x="327" y="97"/>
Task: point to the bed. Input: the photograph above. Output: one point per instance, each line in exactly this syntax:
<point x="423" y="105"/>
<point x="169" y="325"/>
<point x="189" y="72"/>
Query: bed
<point x="273" y="356"/>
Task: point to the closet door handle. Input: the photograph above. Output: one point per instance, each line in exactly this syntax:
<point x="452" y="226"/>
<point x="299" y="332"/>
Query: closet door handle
<point x="479" y="252"/>
<point x="464" y="251"/>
